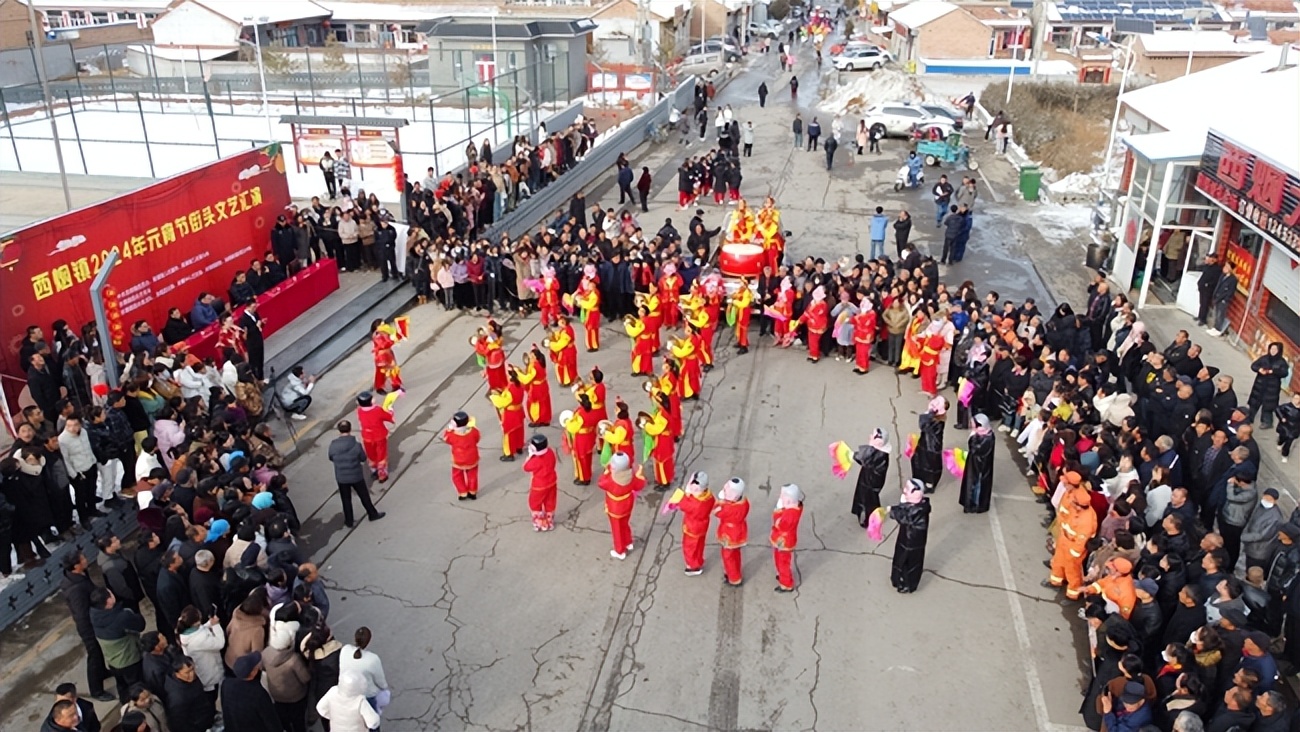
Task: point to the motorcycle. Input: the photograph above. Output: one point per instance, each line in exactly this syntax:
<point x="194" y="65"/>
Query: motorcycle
<point x="909" y="177"/>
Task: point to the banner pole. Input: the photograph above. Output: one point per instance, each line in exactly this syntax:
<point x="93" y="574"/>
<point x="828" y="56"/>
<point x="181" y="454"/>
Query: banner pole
<point x="101" y="317"/>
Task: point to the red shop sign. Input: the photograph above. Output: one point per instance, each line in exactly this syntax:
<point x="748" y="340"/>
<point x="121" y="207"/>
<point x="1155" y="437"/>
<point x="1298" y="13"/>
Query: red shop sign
<point x="1253" y="187"/>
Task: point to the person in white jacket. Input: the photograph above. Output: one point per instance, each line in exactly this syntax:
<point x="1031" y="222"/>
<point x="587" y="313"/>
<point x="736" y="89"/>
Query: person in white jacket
<point x="357" y="659"/>
<point x="83" y="469"/>
<point x="345" y="705"/>
<point x="203" y="642"/>
<point x="193" y="380"/>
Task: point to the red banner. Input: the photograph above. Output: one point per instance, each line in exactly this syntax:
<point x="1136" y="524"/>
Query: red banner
<point x="176" y="238"/>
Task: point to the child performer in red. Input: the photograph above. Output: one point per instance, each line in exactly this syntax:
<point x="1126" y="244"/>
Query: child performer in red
<point x="510" y="408"/>
<point x="581" y="427"/>
<point x="785" y="534"/>
<point x="670" y="291"/>
<point x="544" y="483"/>
<point x="463" y="437"/>
<point x="733" y="528"/>
<point x="663" y="446"/>
<point x="932" y="343"/>
<point x="697" y="510"/>
<point x="382" y="340"/>
<point x="643" y="349"/>
<point x="587" y="300"/>
<point x="864" y="335"/>
<point x="537" y="388"/>
<point x="816" y="317"/>
<point x="784" y="309"/>
<point x="621" y="484"/>
<point x="670" y="383"/>
<point x="374" y="421"/>
<point x="548" y="300"/>
<point x="597" y="391"/>
<point x="686" y="350"/>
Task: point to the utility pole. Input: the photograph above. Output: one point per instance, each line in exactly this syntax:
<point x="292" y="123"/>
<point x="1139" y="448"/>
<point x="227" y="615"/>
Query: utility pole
<point x="49" y="105"/>
<point x="643" y="32"/>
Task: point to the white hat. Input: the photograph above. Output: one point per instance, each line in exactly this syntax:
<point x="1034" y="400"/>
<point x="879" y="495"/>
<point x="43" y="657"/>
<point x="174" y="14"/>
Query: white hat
<point x="790" y="496"/>
<point x="734" y="490"/>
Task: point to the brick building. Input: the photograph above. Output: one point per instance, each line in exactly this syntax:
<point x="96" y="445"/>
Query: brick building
<point x="933" y="29"/>
<point x="83" y="23"/>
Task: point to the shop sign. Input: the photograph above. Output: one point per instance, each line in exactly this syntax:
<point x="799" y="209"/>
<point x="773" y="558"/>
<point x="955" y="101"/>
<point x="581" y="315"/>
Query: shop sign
<point x="1243" y="264"/>
<point x="1253" y="188"/>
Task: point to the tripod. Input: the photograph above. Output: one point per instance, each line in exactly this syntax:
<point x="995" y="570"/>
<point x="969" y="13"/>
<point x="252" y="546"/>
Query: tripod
<point x="278" y="405"/>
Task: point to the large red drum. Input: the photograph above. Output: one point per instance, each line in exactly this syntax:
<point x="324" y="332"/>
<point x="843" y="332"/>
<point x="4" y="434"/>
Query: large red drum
<point x="741" y="260"/>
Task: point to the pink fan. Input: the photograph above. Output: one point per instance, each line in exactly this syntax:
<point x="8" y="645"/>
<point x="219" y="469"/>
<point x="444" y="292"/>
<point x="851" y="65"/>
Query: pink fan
<point x="841" y="459"/>
<point x="966" y="391"/>
<point x="909" y="447"/>
<point x="954" y="460"/>
<point x="876" y="525"/>
<point x="535" y="285"/>
<point x="774" y="315"/>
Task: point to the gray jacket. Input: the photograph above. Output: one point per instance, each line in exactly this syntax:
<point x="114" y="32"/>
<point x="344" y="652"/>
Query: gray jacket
<point x="349" y="459"/>
<point x="1259" y="539"/>
<point x="1241" y="502"/>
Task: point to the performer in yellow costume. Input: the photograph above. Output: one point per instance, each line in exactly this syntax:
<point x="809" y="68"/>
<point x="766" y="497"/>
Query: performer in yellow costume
<point x="743" y="225"/>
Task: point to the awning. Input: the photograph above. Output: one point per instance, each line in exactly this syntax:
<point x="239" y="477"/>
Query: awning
<point x="1162" y="147"/>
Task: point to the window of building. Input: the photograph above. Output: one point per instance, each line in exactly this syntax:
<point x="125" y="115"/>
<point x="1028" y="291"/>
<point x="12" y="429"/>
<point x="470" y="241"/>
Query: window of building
<point x="1062" y="39"/>
<point x="342" y="33"/>
<point x="1281" y="315"/>
<point x="407" y="34"/>
<point x="285" y="36"/>
<point x="363" y="34"/>
<point x="512" y="60"/>
<point x="98" y="18"/>
<point x="1252" y="242"/>
<point x="314" y="36"/>
<point x="458" y="64"/>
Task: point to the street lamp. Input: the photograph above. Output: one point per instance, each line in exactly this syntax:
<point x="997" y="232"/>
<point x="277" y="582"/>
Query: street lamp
<point x="1114" y="120"/>
<point x="493" y="80"/>
<point x="261" y="70"/>
<point x="39" y="57"/>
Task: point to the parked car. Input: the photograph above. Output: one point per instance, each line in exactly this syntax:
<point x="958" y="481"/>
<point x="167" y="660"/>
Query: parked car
<point x="855" y="59"/>
<point x="769" y="29"/>
<point x="705" y="65"/>
<point x="712" y="46"/>
<point x="898" y="119"/>
<point x="945" y="111"/>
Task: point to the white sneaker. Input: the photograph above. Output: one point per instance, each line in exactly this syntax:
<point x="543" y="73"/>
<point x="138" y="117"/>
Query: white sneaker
<point x="1003" y="428"/>
<point x="1215" y="332"/>
<point x="694" y="572"/>
<point x="1284" y="460"/>
<point x="629" y="548"/>
<point x="299" y="417"/>
<point x="616" y="555"/>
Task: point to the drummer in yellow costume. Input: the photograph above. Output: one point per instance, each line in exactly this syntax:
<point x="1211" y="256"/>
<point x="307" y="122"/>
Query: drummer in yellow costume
<point x="768" y="221"/>
<point x="743" y="225"/>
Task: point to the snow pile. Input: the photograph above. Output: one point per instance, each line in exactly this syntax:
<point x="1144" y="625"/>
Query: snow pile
<point x="1075" y="184"/>
<point x="868" y="88"/>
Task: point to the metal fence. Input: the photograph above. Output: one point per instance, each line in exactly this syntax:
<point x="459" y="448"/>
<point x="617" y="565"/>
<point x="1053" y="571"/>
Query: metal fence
<point x="439" y="125"/>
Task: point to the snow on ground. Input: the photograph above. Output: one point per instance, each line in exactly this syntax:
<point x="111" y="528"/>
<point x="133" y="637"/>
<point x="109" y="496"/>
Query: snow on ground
<point x="181" y="137"/>
<point x="868" y="88"/>
<point x="1076" y="184"/>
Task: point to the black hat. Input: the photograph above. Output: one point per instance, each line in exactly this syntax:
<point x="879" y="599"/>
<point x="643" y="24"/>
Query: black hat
<point x="365" y="398"/>
<point x="1291" y="531"/>
<point x="539" y="442"/>
<point x="246" y="664"/>
<point x="1134" y="692"/>
<point x="1235" y="616"/>
<point x="460" y="418"/>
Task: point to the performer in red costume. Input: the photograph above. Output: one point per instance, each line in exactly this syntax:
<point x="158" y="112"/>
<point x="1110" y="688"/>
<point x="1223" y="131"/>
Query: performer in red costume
<point x="382" y="340"/>
<point x="543" y="484"/>
<point x="374" y="421"/>
<point x="784" y="310"/>
<point x="670" y="383"/>
<point x="785" y="534"/>
<point x="663" y="446"/>
<point x="510" y="408"/>
<point x="739" y="311"/>
<point x="687" y="351"/>
<point x="597" y="392"/>
<point x="816" y="317"/>
<point x="697" y="510"/>
<point x="463" y="437"/>
<point x="537" y="388"/>
<point x="621" y="484"/>
<point x="564" y="351"/>
<point x="733" y="528"/>
<point x="714" y="293"/>
<point x="670" y="291"/>
<point x="587" y="300"/>
<point x="932" y="343"/>
<point x="864" y="335"/>
<point x="548" y="300"/>
<point x="494" y="369"/>
<point x="654" y="316"/>
<point x="643" y="347"/>
<point x="581" y="427"/>
<point x="619" y="438"/>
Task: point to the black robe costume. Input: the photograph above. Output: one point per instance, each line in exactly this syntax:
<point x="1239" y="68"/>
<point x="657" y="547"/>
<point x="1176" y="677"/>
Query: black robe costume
<point x="979" y="375"/>
<point x="871" y="478"/>
<point x="977" y="483"/>
<point x="909" y="546"/>
<point x="927" y="459"/>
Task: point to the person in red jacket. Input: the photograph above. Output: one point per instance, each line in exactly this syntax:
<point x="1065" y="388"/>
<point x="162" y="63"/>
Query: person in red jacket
<point x="733" y="528"/>
<point x="932" y="345"/>
<point x="494" y="359"/>
<point x="537" y="387"/>
<point x="374" y="421"/>
<point x="581" y="426"/>
<point x="382" y="340"/>
<point x="816" y="317"/>
<point x="670" y="291"/>
<point x="697" y="510"/>
<point x="463" y="437"/>
<point x="544" y="483"/>
<point x="663" y="445"/>
<point x="783" y="310"/>
<point x="785" y="534"/>
<point x="548" y="300"/>
<point x="864" y="334"/>
<point x="621" y="484"/>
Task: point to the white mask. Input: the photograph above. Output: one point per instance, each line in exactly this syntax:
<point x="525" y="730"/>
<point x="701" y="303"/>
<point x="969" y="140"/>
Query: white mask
<point x="1266" y="503"/>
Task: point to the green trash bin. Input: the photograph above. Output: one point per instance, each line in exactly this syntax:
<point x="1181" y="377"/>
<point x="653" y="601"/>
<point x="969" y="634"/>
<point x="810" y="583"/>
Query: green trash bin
<point x="1031" y="179"/>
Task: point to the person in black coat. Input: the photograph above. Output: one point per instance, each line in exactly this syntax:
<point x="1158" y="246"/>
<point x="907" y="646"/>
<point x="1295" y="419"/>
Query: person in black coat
<point x="1205" y="285"/>
<point x="927" y="458"/>
<point x="172" y="595"/>
<point x="902" y="231"/>
<point x="76" y="589"/>
<point x="245" y="703"/>
<point x="157" y="657"/>
<point x="1271" y="371"/>
<point x="189" y="708"/>
<point x="254" y="343"/>
<point x="44" y="384"/>
<point x="874" y="459"/>
<point x="977" y="481"/>
<point x="913" y="517"/>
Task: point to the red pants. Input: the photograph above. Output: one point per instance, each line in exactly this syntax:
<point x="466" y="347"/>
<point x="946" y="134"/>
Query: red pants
<point x="863" y="353"/>
<point x="784" y="575"/>
<point x="731" y="565"/>
<point x="582" y="466"/>
<point x="622" y="530"/>
<point x="693" y="551"/>
<point x="664" y="471"/>
<point x="774" y="257"/>
<point x="465" y="480"/>
<point x="719" y="196"/>
<point x="780" y="328"/>
<point x="377" y="456"/>
<point x="593" y="334"/>
<point x="930" y="379"/>
<point x="549" y="315"/>
<point x="542" y="499"/>
<point x="684" y="198"/>
<point x="742" y="330"/>
<point x="814" y="345"/>
<point x="734" y="195"/>
<point x="382" y="377"/>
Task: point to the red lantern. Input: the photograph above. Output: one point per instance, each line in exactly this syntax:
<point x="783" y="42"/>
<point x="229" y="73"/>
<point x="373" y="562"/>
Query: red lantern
<point x="113" y="313"/>
<point x="399" y="174"/>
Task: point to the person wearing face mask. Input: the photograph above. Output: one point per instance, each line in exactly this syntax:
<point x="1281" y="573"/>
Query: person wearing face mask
<point x="1259" y="538"/>
<point x="913" y="517"/>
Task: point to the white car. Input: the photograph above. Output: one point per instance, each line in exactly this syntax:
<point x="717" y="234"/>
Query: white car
<point x="855" y="59"/>
<point x="899" y="118"/>
<point x="764" y="30"/>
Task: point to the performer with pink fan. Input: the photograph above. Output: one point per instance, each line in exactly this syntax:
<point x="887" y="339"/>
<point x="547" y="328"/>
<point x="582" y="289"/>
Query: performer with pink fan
<point x="927" y="458"/>
<point x="874" y="459"/>
<point x="913" y="517"/>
